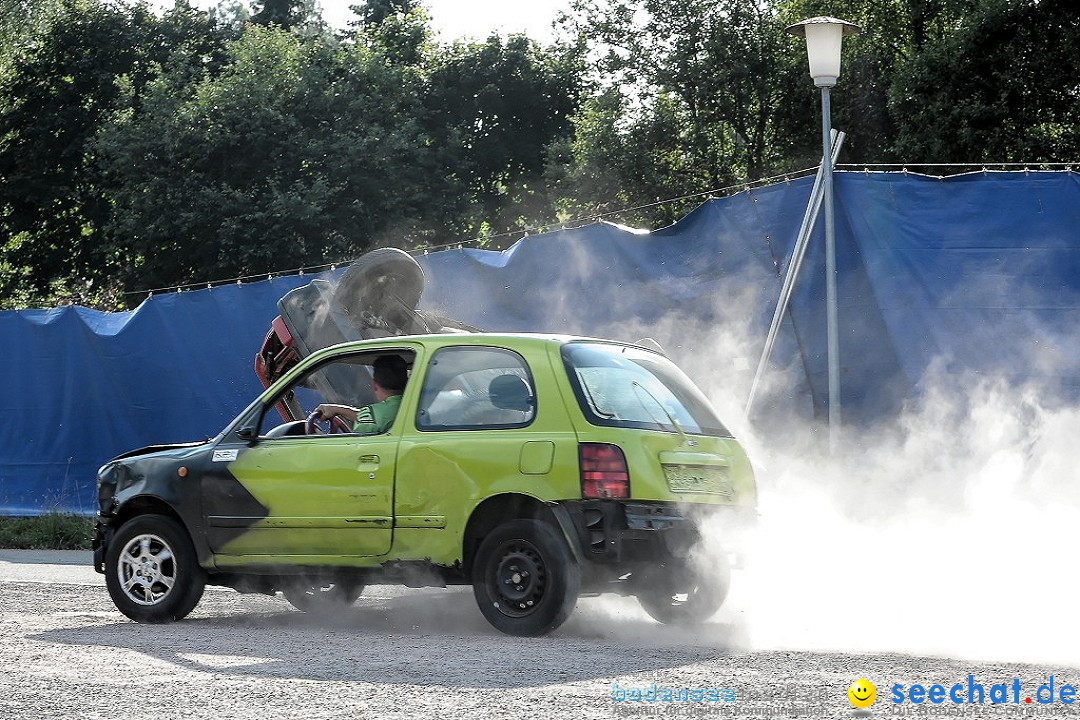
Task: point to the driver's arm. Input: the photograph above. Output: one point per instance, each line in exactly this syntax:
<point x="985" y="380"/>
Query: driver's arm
<point x="330" y="410"/>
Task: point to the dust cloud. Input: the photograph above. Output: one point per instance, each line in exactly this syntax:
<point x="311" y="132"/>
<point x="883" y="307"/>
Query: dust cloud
<point x="947" y="531"/>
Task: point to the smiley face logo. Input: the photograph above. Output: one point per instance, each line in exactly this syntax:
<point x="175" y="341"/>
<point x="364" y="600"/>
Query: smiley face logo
<point x="862" y="693"/>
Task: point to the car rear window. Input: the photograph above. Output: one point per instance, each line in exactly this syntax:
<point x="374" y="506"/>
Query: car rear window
<point x="622" y="386"/>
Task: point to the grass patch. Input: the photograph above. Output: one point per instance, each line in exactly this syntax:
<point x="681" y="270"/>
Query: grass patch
<point x="55" y="531"/>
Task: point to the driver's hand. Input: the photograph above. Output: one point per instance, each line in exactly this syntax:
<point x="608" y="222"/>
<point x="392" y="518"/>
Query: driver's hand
<point x="326" y="411"/>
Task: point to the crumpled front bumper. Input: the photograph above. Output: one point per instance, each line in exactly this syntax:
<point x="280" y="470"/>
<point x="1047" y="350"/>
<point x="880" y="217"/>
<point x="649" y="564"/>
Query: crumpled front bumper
<point x="102" y="535"/>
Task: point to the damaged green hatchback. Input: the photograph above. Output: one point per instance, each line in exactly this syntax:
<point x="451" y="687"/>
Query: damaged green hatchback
<point x="535" y="468"/>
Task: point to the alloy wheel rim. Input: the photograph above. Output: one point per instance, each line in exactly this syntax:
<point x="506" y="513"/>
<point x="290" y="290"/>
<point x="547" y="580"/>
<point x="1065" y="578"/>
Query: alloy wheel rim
<point x="146" y="569"/>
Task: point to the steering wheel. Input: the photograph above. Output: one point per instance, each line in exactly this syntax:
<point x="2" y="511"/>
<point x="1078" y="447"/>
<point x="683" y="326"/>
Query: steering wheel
<point x="315" y="426"/>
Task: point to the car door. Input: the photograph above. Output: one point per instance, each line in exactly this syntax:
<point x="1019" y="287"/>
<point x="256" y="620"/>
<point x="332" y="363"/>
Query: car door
<point x="480" y="431"/>
<point x="308" y="498"/>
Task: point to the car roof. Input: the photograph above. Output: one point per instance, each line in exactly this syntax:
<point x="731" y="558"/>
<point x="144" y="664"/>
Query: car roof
<point x="435" y="340"/>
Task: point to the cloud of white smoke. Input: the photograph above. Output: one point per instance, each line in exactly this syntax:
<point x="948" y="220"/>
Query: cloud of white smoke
<point x="949" y="531"/>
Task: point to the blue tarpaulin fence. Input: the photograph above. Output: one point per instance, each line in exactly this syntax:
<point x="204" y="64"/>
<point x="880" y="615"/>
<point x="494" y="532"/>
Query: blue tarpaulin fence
<point x="977" y="272"/>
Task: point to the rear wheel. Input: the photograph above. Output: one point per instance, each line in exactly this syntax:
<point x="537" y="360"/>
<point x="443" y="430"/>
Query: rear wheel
<point x="316" y="597"/>
<point x="525" y="580"/>
<point x="151" y="570"/>
<point x="681" y="593"/>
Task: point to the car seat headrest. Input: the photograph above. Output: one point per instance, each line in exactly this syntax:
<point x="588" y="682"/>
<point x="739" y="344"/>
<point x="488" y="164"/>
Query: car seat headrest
<point x="510" y="392"/>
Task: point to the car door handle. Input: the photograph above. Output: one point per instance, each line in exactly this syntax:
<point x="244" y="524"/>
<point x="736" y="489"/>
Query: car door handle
<point x="369" y="459"/>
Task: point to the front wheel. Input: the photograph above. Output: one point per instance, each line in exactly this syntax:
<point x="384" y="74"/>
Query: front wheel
<point x="525" y="580"/>
<point x="151" y="570"/>
<point x="681" y="593"/>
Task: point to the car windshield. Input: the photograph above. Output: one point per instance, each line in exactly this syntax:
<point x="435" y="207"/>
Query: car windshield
<point x="623" y="386"/>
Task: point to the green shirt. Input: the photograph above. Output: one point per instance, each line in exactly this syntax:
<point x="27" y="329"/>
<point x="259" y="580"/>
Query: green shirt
<point x="378" y="417"/>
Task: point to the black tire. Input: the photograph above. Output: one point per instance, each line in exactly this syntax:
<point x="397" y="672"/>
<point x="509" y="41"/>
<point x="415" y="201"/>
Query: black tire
<point x="679" y="593"/>
<point x="321" y="598"/>
<point x="386" y="283"/>
<point x="525" y="579"/>
<point x="151" y="570"/>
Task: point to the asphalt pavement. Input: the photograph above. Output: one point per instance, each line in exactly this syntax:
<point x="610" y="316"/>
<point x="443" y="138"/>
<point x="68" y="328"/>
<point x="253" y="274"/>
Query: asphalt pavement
<point x="404" y="653"/>
<point x="71" y="567"/>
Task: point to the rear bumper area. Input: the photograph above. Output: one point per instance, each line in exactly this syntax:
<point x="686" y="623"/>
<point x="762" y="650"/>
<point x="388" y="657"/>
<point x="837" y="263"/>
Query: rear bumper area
<point x="620" y="532"/>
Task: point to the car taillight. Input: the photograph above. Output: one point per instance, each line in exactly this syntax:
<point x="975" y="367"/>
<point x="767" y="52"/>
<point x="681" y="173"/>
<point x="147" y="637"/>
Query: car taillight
<point x="603" y="471"/>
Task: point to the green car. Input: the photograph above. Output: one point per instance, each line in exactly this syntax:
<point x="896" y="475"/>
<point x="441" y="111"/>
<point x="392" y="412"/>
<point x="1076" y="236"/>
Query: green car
<point x="534" y="467"/>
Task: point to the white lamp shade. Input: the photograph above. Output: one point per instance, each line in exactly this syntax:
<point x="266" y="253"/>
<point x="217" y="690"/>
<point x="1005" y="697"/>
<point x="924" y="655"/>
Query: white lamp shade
<point x="823" y="48"/>
<point x="823" y="38"/>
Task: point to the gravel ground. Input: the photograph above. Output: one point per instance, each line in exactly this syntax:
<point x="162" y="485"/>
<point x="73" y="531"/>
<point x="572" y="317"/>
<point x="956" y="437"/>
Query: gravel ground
<point x="67" y="653"/>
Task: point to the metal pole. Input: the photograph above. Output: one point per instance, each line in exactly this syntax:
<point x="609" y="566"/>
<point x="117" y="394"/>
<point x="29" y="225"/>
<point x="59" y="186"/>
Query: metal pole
<point x="792" y="272"/>
<point x="830" y="275"/>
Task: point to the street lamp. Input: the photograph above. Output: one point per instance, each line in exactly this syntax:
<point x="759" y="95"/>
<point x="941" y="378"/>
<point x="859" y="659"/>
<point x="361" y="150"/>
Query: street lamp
<point x="824" y="36"/>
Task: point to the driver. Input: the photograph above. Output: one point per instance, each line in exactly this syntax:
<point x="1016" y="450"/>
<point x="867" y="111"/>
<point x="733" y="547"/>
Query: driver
<point x="388" y="378"/>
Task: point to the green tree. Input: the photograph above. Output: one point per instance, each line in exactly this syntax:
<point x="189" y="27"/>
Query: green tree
<point x="962" y="81"/>
<point x="500" y="104"/>
<point x="14" y="17"/>
<point x="892" y="33"/>
<point x="56" y="85"/>
<point x="302" y="17"/>
<point x="398" y="29"/>
<point x="231" y="14"/>
<point x="1001" y="86"/>
<point x="283" y="13"/>
<point x="490" y="109"/>
<point x="693" y="95"/>
<point x="297" y="153"/>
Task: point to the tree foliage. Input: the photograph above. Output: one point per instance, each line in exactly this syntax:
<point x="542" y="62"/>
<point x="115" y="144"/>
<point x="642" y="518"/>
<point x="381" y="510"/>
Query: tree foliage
<point x="699" y="94"/>
<point x="58" y="85"/>
<point x="689" y="93"/>
<point x="197" y="149"/>
<point x="1001" y="86"/>
<point x="283" y="13"/>
<point x="140" y="149"/>
<point x="293" y="154"/>
<point x="961" y="81"/>
<point x="398" y="29"/>
<point x="502" y="103"/>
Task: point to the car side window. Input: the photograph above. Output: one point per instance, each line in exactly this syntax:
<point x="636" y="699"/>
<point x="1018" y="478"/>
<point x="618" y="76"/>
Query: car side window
<point x="476" y="388"/>
<point x="344" y="380"/>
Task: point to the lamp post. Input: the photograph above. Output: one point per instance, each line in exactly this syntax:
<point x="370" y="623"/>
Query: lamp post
<point x="824" y="36"/>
